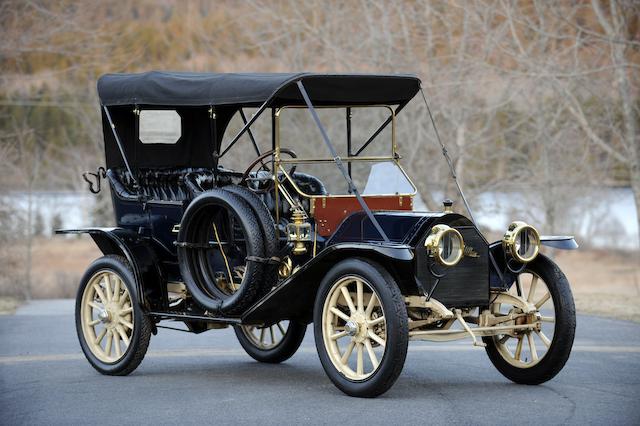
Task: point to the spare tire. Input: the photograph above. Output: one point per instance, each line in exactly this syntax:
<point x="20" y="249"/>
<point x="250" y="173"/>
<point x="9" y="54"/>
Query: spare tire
<point x="218" y="244"/>
<point x="268" y="227"/>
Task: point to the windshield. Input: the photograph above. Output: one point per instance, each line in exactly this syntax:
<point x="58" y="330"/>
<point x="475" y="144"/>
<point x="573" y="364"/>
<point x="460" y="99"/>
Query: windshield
<point x="367" y="152"/>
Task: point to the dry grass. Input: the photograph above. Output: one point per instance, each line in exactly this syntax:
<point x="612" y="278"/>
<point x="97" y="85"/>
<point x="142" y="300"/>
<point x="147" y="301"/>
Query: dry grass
<point x="603" y="283"/>
<point x="58" y="265"/>
<point x="8" y="305"/>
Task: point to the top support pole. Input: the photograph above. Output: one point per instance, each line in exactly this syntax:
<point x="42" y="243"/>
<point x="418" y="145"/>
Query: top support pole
<point x="338" y="161"/>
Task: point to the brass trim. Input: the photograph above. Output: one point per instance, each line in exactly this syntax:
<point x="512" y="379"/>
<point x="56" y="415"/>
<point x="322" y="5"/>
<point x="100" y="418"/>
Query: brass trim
<point x="393" y="157"/>
<point x="432" y="244"/>
<point x="511" y="235"/>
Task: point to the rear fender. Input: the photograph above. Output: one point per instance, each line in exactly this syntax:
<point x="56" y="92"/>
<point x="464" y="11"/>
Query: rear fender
<point x="150" y="281"/>
<point x="294" y="297"/>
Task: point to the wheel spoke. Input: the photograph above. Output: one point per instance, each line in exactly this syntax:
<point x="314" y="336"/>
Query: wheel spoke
<point x="372" y="354"/>
<point x="377" y="338"/>
<point x="93" y="323"/>
<point x="107" y="286"/>
<point x="281" y="329"/>
<point x="100" y="336"/>
<point x="116" y="343"/>
<point x="116" y="290"/>
<point x="262" y="336"/>
<point x="544" y="339"/>
<point x="532" y="347"/>
<point x="532" y="289"/>
<point x="124" y="298"/>
<point x="126" y="323"/>
<point x="338" y="335"/>
<point x="376" y="321"/>
<point x="372" y="303"/>
<point x="347" y="297"/>
<point x="547" y="319"/>
<point x="544" y="299"/>
<point x="123" y="335"/>
<point x="126" y="311"/>
<point x="100" y="294"/>
<point x="360" y="296"/>
<point x="518" y="348"/>
<point x="95" y="305"/>
<point x="273" y="337"/>
<point x="339" y="313"/>
<point x="107" y="349"/>
<point x="347" y="353"/>
<point x="360" y="361"/>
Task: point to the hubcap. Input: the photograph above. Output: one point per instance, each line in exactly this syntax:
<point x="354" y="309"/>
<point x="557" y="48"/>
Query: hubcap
<point x="104" y="316"/>
<point x="351" y="327"/>
<point x="354" y="328"/>
<point x="107" y="316"/>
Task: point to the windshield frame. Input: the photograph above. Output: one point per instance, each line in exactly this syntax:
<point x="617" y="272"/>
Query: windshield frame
<point x="394" y="157"/>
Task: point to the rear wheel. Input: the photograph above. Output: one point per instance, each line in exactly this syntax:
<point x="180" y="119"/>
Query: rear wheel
<point x="271" y="344"/>
<point x="113" y="331"/>
<point x="361" y="328"/>
<point x="534" y="356"/>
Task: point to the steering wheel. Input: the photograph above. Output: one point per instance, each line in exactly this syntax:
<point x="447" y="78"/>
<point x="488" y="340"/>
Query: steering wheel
<point x="260" y="160"/>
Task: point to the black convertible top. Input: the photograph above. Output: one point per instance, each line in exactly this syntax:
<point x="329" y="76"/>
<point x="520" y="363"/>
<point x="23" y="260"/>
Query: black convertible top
<point x="252" y="89"/>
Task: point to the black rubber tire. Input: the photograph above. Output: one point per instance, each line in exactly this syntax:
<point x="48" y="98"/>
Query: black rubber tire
<point x="564" y="331"/>
<point x="142" y="325"/>
<point x="192" y="267"/>
<point x="268" y="227"/>
<point x="395" y="310"/>
<point x="285" y="350"/>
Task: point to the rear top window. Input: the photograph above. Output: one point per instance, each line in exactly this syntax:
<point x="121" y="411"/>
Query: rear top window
<point x="159" y="127"/>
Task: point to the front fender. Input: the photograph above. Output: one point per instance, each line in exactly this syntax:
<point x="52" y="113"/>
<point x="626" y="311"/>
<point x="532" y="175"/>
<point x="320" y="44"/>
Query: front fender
<point x="150" y="281"/>
<point x="501" y="278"/>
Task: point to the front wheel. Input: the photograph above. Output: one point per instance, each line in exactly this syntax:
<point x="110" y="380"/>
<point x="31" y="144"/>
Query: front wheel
<point x="271" y="344"/>
<point x="534" y="356"/>
<point x="361" y="328"/>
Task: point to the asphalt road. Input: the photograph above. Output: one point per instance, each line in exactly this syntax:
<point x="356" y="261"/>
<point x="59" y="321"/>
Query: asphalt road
<point x="208" y="379"/>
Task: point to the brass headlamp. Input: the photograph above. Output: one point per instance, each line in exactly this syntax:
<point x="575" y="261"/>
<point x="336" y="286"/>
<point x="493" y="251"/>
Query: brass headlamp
<point x="521" y="241"/>
<point x="445" y="244"/>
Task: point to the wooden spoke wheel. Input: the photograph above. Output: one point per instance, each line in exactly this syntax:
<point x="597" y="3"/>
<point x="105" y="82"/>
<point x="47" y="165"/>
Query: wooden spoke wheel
<point x="267" y="337"/>
<point x="354" y="327"/>
<point x="113" y="331"/>
<point x="271" y="343"/>
<point x="536" y="355"/>
<point x="361" y="330"/>
<point x="527" y="348"/>
<point x="107" y="320"/>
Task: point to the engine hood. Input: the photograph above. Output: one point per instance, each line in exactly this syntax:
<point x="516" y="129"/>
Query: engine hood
<point x="401" y="227"/>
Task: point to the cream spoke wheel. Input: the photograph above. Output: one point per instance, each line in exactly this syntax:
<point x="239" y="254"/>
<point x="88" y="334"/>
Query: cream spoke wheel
<point x="106" y="315"/>
<point x="347" y="337"/>
<point x="539" y="325"/>
<point x="266" y="338"/>
<point x="528" y="346"/>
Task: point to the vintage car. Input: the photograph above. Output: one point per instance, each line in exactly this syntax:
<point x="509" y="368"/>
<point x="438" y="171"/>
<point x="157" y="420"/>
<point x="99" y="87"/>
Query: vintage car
<point x="269" y="247"/>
